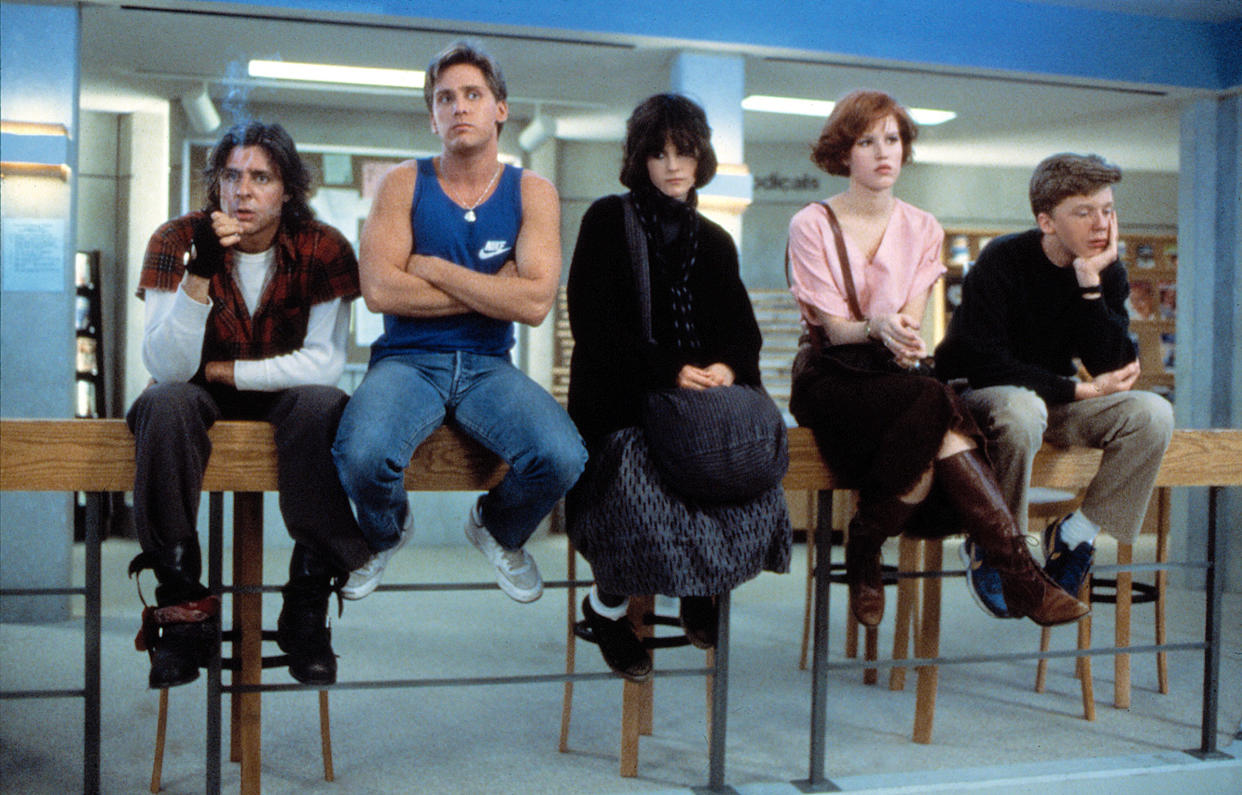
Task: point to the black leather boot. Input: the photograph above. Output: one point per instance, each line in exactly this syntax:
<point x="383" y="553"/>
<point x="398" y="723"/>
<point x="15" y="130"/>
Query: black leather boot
<point x="181" y="632"/>
<point x="302" y="630"/>
<point x="968" y="482"/>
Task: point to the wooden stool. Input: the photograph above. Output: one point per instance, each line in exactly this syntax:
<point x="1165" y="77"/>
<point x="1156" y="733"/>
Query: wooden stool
<point x="233" y="664"/>
<point x="637" y="698"/>
<point x="1123" y="592"/>
<point x="844" y="504"/>
<point x="927" y="555"/>
<point x="918" y="619"/>
<point x="161" y="726"/>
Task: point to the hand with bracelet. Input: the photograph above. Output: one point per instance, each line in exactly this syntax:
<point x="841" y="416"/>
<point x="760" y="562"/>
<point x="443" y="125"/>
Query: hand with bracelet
<point x="900" y="334"/>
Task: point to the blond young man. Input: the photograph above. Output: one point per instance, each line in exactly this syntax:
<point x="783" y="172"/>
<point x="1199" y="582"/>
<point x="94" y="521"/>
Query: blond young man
<point x="1034" y="305"/>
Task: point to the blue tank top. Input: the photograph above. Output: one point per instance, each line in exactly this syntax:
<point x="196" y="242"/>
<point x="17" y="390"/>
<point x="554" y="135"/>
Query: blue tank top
<point x="484" y="245"/>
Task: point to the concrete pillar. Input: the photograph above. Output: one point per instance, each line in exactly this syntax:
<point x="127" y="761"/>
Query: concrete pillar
<point x="1209" y="308"/>
<point x="38" y="231"/>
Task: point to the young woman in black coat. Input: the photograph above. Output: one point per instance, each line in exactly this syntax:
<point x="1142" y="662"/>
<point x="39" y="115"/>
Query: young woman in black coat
<point x="639" y="537"/>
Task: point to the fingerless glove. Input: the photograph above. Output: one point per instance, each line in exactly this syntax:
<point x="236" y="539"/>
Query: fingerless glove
<point x="208" y="255"/>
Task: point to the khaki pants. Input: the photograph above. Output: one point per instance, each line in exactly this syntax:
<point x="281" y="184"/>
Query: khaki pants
<point x="1132" y="428"/>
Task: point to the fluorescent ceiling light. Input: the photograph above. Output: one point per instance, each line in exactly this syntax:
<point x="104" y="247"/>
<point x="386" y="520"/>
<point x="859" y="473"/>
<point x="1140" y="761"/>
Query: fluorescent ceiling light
<point x="330" y="73"/>
<point x="820" y="108"/>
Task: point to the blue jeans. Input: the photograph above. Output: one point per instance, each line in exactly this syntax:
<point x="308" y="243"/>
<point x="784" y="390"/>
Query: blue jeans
<point x="403" y="399"/>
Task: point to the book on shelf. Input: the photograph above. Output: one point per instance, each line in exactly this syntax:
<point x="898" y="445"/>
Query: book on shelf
<point x="1168" y="300"/>
<point x="1168" y="350"/>
<point x="1143" y="300"/>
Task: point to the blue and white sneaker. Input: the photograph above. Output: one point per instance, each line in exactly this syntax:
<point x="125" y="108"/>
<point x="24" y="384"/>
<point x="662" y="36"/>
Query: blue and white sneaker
<point x="984" y="581"/>
<point x="1067" y="567"/>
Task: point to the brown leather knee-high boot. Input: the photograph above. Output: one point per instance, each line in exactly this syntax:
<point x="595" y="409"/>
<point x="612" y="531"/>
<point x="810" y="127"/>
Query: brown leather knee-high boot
<point x="878" y="518"/>
<point x="971" y="487"/>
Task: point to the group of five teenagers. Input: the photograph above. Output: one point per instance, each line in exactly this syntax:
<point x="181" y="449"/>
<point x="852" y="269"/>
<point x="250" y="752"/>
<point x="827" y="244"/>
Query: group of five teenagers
<point x="639" y="535"/>
<point x="459" y="247"/>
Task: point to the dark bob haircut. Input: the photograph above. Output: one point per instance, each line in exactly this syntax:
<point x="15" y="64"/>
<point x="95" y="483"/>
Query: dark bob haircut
<point x="850" y="118"/>
<point x="656" y="121"/>
<point x="471" y="54"/>
<point x="1060" y="176"/>
<point x="281" y="150"/>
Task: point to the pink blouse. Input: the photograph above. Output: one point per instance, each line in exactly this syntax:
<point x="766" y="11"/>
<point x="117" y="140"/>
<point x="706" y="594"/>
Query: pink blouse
<point x="907" y="263"/>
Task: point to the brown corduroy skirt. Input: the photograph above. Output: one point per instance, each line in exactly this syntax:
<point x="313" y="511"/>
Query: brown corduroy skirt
<point x="877" y="428"/>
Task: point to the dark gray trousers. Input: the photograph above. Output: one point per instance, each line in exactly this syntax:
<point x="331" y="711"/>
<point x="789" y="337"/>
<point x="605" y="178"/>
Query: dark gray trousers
<point x="170" y="423"/>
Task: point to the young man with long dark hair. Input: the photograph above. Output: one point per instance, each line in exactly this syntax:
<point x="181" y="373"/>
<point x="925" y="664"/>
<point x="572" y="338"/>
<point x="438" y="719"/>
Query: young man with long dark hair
<point x="246" y="306"/>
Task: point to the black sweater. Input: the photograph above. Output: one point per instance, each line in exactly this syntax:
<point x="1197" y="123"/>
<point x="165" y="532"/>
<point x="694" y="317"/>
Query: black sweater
<point x="1022" y="321"/>
<point x="612" y="367"/>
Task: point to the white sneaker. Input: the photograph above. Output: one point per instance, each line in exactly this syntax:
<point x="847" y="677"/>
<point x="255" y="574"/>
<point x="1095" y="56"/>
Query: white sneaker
<point x="364" y="579"/>
<point x="516" y="572"/>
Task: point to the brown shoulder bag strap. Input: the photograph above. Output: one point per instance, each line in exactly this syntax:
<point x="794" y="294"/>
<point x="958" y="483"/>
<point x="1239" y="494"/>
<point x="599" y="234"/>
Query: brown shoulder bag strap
<point x="850" y="293"/>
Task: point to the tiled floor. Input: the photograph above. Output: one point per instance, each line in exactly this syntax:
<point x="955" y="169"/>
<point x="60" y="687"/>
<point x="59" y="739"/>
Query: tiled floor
<point x="504" y="738"/>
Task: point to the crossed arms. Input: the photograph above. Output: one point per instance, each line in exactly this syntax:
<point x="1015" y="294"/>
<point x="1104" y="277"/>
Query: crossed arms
<point x="397" y="282"/>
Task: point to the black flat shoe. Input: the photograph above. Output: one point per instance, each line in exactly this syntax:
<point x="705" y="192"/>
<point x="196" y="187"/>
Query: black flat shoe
<point x="622" y="649"/>
<point x="698" y="620"/>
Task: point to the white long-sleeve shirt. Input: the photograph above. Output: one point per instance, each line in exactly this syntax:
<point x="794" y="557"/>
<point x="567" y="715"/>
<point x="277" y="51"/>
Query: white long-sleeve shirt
<point x="172" y="344"/>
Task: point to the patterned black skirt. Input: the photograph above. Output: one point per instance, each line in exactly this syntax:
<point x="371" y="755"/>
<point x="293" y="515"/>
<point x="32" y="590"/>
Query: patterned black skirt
<point x="641" y="538"/>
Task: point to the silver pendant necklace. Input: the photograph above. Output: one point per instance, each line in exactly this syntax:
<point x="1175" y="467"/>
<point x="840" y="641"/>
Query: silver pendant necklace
<point x="470" y="216"/>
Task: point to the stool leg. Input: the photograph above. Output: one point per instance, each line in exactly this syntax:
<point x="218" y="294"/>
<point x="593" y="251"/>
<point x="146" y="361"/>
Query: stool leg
<point x="161" y="728"/>
<point x="631" y="709"/>
<point x="928" y="644"/>
<point x="647" y="716"/>
<point x="248" y="613"/>
<point x="851" y="634"/>
<point x="1083" y="664"/>
<point x="1162" y="583"/>
<point x="325" y="736"/>
<point x="907" y="603"/>
<point x="812" y="521"/>
<point x="1041" y="668"/>
<point x="1121" y="663"/>
<point x="872" y="635"/>
<point x="567" y="695"/>
<point x="636" y="697"/>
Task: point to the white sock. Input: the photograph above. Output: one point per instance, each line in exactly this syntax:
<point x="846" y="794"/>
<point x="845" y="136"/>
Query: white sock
<point x="610" y="613"/>
<point x="1078" y="529"/>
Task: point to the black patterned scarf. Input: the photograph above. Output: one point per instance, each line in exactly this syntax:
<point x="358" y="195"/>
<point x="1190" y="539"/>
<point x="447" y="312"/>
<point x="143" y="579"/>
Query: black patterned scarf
<point x="671" y="228"/>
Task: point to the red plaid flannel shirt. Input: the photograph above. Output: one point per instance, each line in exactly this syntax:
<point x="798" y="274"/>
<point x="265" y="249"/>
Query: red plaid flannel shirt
<point x="314" y="264"/>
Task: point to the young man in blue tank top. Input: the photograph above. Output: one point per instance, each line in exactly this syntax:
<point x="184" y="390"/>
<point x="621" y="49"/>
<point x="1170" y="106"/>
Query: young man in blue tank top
<point x="455" y="250"/>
